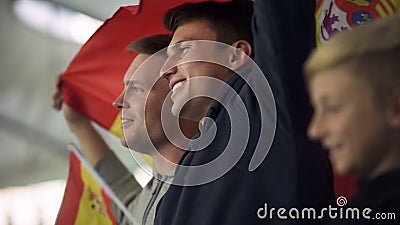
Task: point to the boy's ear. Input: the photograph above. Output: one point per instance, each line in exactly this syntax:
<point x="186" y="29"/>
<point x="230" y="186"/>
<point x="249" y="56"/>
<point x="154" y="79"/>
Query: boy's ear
<point x="394" y="110"/>
<point x="241" y="54"/>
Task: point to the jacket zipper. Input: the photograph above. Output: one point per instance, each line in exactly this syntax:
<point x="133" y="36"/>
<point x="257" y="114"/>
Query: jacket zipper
<point x="152" y="200"/>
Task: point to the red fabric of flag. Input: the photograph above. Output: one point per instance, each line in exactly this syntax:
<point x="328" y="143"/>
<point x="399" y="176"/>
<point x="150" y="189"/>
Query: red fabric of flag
<point x="73" y="192"/>
<point x="85" y="200"/>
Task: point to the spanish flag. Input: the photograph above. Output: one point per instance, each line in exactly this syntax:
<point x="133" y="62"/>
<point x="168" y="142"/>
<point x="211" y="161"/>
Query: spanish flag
<point x="94" y="77"/>
<point x="87" y="198"/>
<point x="334" y="16"/>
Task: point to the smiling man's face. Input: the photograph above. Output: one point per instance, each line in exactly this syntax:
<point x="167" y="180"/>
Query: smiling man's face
<point x="141" y="103"/>
<point x="188" y="80"/>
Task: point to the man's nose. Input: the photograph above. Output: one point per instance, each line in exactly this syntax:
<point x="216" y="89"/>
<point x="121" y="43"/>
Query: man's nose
<point x="169" y="68"/>
<point x="119" y="102"/>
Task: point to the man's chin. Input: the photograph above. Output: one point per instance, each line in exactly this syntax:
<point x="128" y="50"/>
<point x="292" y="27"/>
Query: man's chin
<point x="123" y="142"/>
<point x="175" y="109"/>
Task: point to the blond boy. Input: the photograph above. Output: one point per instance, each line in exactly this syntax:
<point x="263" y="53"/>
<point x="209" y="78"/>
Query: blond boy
<point x="354" y="85"/>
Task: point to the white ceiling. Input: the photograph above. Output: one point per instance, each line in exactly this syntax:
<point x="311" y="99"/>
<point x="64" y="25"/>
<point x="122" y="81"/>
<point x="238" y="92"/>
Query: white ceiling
<point x="100" y="9"/>
<point x="33" y="137"/>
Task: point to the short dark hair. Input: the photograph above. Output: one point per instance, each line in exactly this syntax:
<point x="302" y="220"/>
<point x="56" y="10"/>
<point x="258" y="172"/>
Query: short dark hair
<point x="231" y="21"/>
<point x="150" y="44"/>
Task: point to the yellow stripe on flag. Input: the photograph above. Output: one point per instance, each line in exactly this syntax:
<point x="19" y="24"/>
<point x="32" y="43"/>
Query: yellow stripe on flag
<point x="317" y="27"/>
<point x="116" y="127"/>
<point x="380" y="10"/>
<point x="387" y="6"/>
<point x="92" y="207"/>
<point x="148" y="159"/>
<point x="396" y="3"/>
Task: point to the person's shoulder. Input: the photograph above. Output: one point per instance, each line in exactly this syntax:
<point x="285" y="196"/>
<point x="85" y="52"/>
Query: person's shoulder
<point x="381" y="194"/>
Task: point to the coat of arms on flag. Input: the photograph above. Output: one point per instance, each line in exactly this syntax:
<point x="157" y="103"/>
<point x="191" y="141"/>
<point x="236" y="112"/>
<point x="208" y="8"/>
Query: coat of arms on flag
<point x="87" y="198"/>
<point x="339" y="15"/>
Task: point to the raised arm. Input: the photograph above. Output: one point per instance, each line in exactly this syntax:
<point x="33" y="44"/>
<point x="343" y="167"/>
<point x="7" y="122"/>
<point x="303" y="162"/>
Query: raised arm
<point x="283" y="37"/>
<point x="93" y="145"/>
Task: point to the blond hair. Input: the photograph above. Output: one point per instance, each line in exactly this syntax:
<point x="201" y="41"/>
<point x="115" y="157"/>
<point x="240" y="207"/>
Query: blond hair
<point x="372" y="51"/>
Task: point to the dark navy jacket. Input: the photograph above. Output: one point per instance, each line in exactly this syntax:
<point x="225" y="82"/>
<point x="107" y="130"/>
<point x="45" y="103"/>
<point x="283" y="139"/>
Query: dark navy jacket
<point x="378" y="199"/>
<point x="295" y="173"/>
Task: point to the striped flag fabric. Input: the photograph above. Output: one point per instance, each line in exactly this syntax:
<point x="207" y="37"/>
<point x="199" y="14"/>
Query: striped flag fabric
<point x="339" y="15"/>
<point x="87" y="198"/>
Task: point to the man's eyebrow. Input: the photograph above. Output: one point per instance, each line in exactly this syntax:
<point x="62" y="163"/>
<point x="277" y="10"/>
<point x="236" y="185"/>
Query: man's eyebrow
<point x="184" y="40"/>
<point x="176" y="45"/>
<point x="131" y="82"/>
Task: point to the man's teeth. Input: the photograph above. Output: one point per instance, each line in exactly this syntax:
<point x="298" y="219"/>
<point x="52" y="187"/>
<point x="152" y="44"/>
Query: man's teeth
<point x="178" y="85"/>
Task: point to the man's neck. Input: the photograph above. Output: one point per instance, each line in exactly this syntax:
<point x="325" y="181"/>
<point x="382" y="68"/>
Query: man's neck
<point x="166" y="159"/>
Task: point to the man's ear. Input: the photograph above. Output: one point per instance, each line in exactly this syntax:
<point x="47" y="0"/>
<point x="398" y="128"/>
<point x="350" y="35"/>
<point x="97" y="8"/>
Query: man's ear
<point x="240" y="55"/>
<point x="394" y="109"/>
